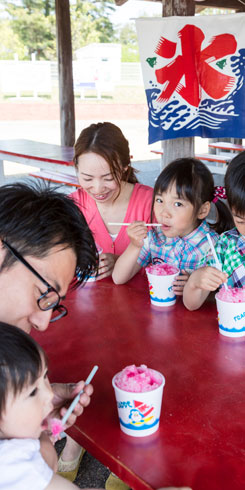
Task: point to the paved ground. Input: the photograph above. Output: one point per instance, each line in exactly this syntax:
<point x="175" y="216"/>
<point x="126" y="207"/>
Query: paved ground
<point x="91" y="474"/>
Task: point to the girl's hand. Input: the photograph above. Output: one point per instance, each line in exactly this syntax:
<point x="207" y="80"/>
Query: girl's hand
<point x="106" y="265"/>
<point x="137" y="231"/>
<point x="207" y="278"/>
<point x="179" y="283"/>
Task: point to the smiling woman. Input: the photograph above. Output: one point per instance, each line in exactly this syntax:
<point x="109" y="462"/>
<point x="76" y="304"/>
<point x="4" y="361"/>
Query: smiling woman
<point x="110" y="192"/>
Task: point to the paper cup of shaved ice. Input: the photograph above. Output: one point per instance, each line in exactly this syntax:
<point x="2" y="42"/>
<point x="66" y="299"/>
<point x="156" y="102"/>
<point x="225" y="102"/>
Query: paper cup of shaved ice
<point x="138" y="392"/>
<point x="160" y="279"/>
<point x="231" y="311"/>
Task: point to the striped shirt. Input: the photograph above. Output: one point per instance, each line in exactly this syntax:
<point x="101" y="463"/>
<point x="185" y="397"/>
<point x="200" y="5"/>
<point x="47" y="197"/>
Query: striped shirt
<point x="230" y="250"/>
<point x="187" y="253"/>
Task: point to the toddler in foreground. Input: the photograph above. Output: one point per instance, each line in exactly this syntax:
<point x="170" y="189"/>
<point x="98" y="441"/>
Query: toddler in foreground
<point x="181" y="201"/>
<point x="230" y="248"/>
<point x="28" y="459"/>
<point x="27" y="456"/>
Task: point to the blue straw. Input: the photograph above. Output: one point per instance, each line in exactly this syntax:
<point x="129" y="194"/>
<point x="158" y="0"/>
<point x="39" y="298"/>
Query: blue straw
<point x="77" y="398"/>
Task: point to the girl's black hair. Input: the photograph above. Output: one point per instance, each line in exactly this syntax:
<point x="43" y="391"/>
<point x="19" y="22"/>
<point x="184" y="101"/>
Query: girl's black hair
<point x="195" y="183"/>
<point x="235" y="184"/>
<point x="21" y="361"/>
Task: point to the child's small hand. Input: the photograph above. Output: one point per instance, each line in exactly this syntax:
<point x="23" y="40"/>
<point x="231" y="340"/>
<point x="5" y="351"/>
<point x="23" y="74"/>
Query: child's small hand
<point x="207" y="278"/>
<point x="179" y="283"/>
<point x="137" y="231"/>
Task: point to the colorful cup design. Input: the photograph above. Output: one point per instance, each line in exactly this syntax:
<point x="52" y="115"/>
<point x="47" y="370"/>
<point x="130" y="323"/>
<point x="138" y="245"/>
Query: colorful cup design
<point x="139" y="413"/>
<point x="161" y="287"/>
<point x="231" y="318"/>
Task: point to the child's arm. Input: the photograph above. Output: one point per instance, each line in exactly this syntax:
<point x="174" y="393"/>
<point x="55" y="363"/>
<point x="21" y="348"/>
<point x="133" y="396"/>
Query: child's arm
<point x="60" y="483"/>
<point x="126" y="265"/>
<point x="199" y="285"/>
<point x="48" y="451"/>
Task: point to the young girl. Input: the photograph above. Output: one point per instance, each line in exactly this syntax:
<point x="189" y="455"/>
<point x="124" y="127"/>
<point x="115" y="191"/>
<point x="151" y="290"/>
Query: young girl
<point x="27" y="456"/>
<point x="230" y="247"/>
<point x="182" y="198"/>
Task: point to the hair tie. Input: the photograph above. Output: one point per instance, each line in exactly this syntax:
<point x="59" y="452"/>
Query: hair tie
<point x="219" y="193"/>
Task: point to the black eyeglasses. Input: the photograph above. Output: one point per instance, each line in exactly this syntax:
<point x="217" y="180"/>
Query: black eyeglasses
<point x="50" y="300"/>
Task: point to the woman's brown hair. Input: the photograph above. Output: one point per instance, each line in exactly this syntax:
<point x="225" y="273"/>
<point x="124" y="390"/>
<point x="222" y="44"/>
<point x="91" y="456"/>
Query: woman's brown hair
<point x="107" y="140"/>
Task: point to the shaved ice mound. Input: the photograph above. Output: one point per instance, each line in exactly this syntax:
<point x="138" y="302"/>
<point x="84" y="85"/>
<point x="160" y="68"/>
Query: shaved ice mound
<point x="232" y="295"/>
<point x="162" y="269"/>
<point x="56" y="427"/>
<point x="138" y="379"/>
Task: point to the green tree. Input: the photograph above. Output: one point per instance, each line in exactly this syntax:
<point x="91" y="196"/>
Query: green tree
<point x="127" y="37"/>
<point x="34" y="29"/>
<point x="90" y="22"/>
<point x="9" y="42"/>
<point x="33" y="24"/>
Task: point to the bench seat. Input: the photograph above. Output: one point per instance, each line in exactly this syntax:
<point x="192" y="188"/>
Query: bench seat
<point x="56" y="177"/>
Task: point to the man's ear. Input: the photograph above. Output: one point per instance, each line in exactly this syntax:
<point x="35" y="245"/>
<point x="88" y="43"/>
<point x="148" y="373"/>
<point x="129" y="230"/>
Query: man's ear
<point x="204" y="210"/>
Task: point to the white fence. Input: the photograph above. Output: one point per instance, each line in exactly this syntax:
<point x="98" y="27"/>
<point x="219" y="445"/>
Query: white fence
<point x="37" y="78"/>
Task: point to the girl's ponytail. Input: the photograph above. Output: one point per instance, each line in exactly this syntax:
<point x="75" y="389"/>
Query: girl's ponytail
<point x="225" y="220"/>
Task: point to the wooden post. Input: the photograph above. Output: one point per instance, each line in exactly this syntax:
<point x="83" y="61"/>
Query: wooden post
<point x="179" y="147"/>
<point x="66" y="94"/>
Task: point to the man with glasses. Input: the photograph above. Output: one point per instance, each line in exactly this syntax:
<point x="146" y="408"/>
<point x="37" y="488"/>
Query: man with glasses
<point x="44" y="240"/>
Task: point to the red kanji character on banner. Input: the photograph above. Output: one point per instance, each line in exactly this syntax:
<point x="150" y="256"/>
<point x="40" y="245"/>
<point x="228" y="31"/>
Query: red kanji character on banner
<point x="194" y="64"/>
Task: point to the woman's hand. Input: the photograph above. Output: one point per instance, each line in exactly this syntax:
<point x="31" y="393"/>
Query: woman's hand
<point x="180" y="282"/>
<point x="137" y="231"/>
<point x="63" y="396"/>
<point x="106" y="265"/>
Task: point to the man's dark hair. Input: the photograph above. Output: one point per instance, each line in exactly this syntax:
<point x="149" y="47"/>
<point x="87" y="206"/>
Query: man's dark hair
<point x="235" y="184"/>
<point x="34" y="218"/>
<point x="21" y="361"/>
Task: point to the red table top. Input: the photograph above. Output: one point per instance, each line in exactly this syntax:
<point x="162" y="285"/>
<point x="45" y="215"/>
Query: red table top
<point x="201" y="439"/>
<point x="44" y="152"/>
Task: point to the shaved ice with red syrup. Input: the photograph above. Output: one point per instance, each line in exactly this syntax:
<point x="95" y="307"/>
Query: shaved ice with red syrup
<point x="232" y="295"/>
<point x="162" y="269"/>
<point x="138" y="379"/>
